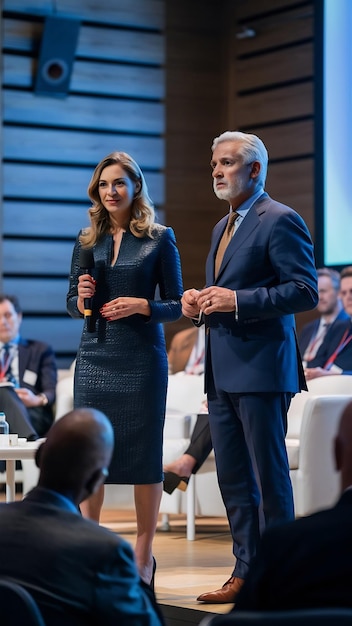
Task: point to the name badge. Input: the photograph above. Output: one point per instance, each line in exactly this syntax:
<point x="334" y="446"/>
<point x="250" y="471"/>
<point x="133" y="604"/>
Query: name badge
<point x="30" y="378"/>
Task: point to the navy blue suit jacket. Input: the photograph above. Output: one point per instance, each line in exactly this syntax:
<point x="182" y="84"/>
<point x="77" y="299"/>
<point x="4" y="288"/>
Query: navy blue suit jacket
<point x="270" y="264"/>
<point x="38" y="372"/>
<point x="305" y="563"/>
<point x="332" y="340"/>
<point x="38" y="358"/>
<point x="309" y="330"/>
<point x="79" y="572"/>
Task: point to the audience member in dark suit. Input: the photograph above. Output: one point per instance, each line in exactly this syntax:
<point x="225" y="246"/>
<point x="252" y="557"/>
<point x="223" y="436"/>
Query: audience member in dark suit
<point x="307" y="563"/>
<point x="330" y="309"/>
<point x="186" y="350"/>
<point x="29" y="369"/>
<point x="79" y="572"/>
<point x="335" y="354"/>
<point x="254" y="286"/>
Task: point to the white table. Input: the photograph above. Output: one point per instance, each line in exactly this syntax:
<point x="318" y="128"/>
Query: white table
<point x="11" y="454"/>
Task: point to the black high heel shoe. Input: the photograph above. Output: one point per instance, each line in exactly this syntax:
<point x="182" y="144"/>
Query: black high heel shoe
<point x="153" y="574"/>
<point x="173" y="481"/>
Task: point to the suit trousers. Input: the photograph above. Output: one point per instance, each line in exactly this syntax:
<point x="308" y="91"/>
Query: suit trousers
<point x="248" y="433"/>
<point x="201" y="444"/>
<point x="16" y="413"/>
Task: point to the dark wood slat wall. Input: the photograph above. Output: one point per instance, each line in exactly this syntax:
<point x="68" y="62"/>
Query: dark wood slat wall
<point x="272" y="95"/>
<point x="220" y="80"/>
<point x="211" y="79"/>
<point x="196" y="97"/>
<point x="51" y="145"/>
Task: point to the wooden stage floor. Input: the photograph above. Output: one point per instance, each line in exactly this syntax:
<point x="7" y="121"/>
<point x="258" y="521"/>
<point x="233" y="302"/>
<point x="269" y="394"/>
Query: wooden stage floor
<point x="184" y="568"/>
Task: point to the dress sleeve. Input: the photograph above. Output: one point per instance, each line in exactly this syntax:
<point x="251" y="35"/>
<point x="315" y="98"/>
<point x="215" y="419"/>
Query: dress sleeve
<point x="72" y="295"/>
<point x="168" y="307"/>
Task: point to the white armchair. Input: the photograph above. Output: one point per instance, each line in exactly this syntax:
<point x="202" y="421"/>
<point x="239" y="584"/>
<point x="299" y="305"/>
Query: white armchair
<point x="312" y="424"/>
<point x="184" y="399"/>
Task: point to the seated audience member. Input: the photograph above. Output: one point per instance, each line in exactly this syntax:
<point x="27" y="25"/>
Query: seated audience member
<point x="335" y="354"/>
<point x="330" y="308"/>
<point x="186" y="354"/>
<point x="78" y="572"/>
<point x="28" y="375"/>
<point x="307" y="563"/>
<point x="178" y="472"/>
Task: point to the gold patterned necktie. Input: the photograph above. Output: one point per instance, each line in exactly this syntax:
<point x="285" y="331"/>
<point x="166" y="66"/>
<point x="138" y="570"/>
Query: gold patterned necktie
<point x="225" y="240"/>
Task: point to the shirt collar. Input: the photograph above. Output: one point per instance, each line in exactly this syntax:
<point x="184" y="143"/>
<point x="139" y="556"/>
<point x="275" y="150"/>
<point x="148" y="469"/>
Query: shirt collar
<point x="247" y="204"/>
<point x="13" y="342"/>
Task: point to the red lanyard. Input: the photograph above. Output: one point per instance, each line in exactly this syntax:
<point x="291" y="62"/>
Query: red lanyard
<point x="315" y="343"/>
<point x="344" y="341"/>
<point x="5" y="362"/>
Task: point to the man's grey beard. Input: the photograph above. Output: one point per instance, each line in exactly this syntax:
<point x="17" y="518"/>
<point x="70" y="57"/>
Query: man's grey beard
<point x="222" y="194"/>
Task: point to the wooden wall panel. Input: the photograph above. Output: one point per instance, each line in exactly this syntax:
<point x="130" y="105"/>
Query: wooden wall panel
<point x="271" y="91"/>
<point x="39" y="294"/>
<point x="288" y="139"/>
<point x="196" y="97"/>
<point x="61" y="335"/>
<point x="275" y="105"/>
<point x="131" y="13"/>
<point x="44" y="219"/>
<point x="133" y="116"/>
<point x="293" y="64"/>
<point x="273" y="24"/>
<point x="61" y="182"/>
<point x="291" y="182"/>
<point x="122" y="80"/>
<point x="36" y="257"/>
<point x="50" y="145"/>
<point x="69" y="146"/>
<point x="108" y="43"/>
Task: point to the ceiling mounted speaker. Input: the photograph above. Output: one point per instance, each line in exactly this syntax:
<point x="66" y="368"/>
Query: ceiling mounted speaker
<point x="56" y="57"/>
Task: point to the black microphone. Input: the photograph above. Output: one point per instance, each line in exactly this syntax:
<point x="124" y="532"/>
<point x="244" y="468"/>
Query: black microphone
<point x="86" y="263"/>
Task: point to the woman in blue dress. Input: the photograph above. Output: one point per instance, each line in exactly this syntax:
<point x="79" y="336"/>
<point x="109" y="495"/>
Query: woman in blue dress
<point x="121" y="364"/>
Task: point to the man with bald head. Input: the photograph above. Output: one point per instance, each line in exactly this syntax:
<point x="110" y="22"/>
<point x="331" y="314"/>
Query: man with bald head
<point x="79" y="572"/>
<point x="307" y="563"/>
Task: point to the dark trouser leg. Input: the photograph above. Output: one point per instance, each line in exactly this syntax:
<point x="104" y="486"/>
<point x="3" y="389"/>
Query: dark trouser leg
<point x="248" y="433"/>
<point x="201" y="444"/>
<point x="16" y="413"/>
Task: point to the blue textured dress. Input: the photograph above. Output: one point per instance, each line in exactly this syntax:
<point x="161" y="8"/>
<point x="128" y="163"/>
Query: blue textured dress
<point x="122" y="367"/>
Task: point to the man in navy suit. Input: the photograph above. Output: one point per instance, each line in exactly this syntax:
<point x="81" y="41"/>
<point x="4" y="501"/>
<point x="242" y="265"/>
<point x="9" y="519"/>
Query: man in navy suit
<point x="308" y="562"/>
<point x="334" y="356"/>
<point x="330" y="309"/>
<point x="253" y="365"/>
<point x="79" y="573"/>
<point x="28" y="375"/>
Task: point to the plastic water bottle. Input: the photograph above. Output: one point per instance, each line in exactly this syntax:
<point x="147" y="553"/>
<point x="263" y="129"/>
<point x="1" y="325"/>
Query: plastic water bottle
<point x="4" y="430"/>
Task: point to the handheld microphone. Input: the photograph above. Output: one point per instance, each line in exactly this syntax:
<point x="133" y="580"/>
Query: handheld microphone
<point x="86" y="263"/>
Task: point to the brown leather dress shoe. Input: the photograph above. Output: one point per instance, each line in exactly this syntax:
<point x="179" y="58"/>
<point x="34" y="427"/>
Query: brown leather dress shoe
<point x="228" y="592"/>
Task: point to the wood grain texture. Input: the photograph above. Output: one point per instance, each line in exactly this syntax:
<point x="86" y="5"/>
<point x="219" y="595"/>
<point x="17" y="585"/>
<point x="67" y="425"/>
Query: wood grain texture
<point x="130" y="13"/>
<point x="159" y="80"/>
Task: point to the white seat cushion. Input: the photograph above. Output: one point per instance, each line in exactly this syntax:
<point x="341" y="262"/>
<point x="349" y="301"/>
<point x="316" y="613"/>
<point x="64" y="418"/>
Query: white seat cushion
<point x="292" y="447"/>
<point x="177" y="424"/>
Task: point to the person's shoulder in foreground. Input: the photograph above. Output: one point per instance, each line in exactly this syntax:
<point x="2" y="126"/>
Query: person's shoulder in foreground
<point x="83" y="571"/>
<point x="307" y="563"/>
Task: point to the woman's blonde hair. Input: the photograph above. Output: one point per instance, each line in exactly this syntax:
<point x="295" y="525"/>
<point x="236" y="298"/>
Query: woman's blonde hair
<point x="142" y="211"/>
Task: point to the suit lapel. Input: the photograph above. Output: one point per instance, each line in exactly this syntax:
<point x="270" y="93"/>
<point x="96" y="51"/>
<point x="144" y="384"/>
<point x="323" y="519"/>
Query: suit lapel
<point x="250" y="222"/>
<point x="23" y="356"/>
